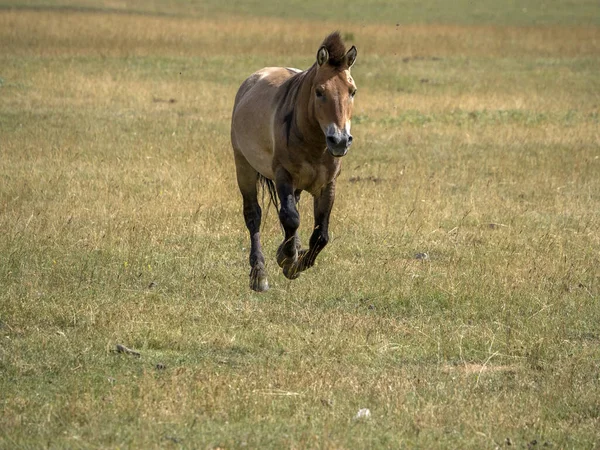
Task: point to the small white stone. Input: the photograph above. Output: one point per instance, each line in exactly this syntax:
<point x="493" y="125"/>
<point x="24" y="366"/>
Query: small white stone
<point x="363" y="413"/>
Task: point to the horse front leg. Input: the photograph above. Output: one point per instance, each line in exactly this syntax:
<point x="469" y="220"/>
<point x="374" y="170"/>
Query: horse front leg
<point x="287" y="253"/>
<point x="320" y="235"/>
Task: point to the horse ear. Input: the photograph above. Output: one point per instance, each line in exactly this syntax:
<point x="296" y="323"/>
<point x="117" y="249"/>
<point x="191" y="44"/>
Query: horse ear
<point x="351" y="56"/>
<point x="322" y="56"/>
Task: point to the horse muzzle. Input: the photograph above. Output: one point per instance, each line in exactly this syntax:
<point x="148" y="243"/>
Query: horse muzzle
<point x="338" y="143"/>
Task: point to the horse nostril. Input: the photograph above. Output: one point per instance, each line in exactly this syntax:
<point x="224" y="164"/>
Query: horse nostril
<point x="349" y="139"/>
<point x="333" y="140"/>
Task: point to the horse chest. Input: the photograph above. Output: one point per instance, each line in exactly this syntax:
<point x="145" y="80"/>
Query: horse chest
<point x="313" y="178"/>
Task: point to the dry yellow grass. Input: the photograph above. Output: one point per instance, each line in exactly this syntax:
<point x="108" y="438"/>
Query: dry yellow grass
<point x="94" y="33"/>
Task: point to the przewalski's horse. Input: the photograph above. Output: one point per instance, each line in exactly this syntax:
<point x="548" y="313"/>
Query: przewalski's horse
<point x="289" y="129"/>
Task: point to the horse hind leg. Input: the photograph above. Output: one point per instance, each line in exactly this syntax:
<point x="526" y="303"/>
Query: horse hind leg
<point x="247" y="178"/>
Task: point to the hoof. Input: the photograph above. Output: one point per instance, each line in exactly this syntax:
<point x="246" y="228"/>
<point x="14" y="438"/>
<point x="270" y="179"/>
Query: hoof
<point x="291" y="271"/>
<point x="284" y="260"/>
<point x="258" y="280"/>
<point x="259" y="285"/>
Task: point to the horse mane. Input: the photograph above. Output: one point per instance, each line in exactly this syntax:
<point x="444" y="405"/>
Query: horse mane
<point x="286" y="98"/>
<point x="336" y="49"/>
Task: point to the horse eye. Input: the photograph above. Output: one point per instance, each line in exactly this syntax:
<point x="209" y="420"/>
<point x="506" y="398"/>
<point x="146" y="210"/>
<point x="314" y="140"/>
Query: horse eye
<point x="320" y="93"/>
<point x="353" y="93"/>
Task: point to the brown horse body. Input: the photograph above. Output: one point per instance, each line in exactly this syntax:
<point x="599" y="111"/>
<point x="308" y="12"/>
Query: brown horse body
<point x="292" y="127"/>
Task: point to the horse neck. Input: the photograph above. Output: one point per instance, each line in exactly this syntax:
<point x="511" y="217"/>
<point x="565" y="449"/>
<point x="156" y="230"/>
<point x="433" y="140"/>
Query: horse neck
<point x="305" y="122"/>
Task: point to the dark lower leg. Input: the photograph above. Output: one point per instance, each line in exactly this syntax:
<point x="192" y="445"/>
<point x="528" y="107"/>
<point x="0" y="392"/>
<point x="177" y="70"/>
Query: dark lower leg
<point x="318" y="241"/>
<point x="297" y="237"/>
<point x="247" y="178"/>
<point x="287" y="254"/>
<point x="252" y="216"/>
<point x="258" y="274"/>
<point x="320" y="234"/>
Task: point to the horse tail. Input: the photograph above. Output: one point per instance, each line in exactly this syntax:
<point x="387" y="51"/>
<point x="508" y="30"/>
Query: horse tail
<point x="269" y="187"/>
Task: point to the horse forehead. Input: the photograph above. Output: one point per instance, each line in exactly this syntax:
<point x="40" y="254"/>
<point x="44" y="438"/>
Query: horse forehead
<point x="343" y="77"/>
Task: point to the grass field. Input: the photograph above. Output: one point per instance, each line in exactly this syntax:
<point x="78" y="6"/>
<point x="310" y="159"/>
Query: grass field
<point x="477" y="143"/>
